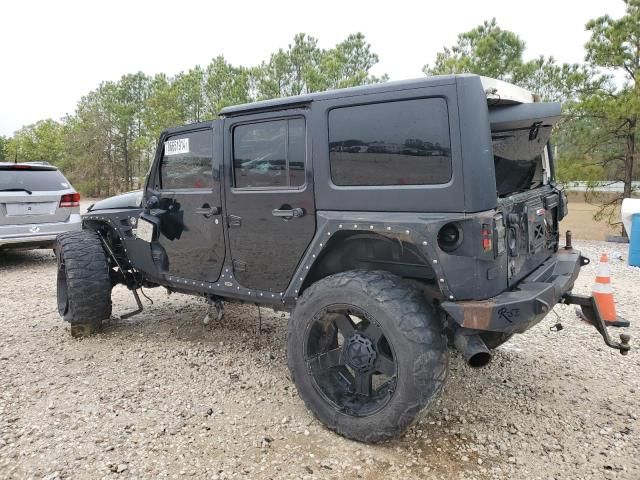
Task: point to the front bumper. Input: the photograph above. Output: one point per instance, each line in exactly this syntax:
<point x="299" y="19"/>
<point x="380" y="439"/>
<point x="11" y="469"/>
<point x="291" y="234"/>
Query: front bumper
<point x="37" y="234"/>
<point x="519" y="309"/>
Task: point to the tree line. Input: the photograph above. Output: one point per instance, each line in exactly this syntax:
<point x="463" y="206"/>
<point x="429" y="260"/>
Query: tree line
<point x="107" y="143"/>
<point x="599" y="136"/>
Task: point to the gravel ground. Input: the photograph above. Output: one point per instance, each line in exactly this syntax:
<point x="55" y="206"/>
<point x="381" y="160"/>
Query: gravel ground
<point x="163" y="396"/>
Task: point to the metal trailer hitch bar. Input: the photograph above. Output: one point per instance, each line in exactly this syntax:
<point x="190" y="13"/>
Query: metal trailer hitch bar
<point x="591" y="314"/>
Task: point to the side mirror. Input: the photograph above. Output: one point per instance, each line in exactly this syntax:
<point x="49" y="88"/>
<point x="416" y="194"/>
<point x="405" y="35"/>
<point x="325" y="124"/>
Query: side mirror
<point x="152" y="202"/>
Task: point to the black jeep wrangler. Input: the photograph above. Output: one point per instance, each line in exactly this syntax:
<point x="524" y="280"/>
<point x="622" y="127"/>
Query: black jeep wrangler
<point x="391" y="220"/>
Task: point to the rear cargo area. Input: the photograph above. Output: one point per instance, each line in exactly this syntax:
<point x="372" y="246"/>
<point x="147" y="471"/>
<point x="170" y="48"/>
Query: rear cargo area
<point x="527" y="200"/>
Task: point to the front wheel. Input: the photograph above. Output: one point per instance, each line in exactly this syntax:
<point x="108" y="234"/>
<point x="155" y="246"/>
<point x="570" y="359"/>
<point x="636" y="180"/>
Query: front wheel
<point x="83" y="282"/>
<point x="366" y="353"/>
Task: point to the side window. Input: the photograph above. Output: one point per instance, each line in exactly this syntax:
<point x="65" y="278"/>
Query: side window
<point x="269" y="154"/>
<point x="395" y="143"/>
<point x="187" y="161"/>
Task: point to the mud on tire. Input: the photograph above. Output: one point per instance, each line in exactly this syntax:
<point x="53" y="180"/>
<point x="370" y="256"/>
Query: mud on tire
<point x="404" y="329"/>
<point x="83" y="282"/>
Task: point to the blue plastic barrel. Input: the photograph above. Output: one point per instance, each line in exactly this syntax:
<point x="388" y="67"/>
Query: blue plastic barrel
<point x="634" y="244"/>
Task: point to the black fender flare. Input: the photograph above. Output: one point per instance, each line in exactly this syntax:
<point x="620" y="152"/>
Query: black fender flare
<point x="395" y="227"/>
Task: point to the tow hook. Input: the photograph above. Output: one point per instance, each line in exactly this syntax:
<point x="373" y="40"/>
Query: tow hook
<point x="591" y="313"/>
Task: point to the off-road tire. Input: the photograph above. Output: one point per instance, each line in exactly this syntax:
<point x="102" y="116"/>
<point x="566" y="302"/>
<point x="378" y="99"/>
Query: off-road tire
<point x="494" y="339"/>
<point x="84" y="285"/>
<point x="408" y="322"/>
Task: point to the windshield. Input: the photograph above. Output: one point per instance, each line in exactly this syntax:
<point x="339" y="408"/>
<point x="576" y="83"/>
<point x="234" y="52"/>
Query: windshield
<point x="32" y="180"/>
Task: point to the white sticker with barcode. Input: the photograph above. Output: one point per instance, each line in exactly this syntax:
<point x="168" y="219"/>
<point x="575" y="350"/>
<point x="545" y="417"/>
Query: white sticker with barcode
<point x="177" y="146"/>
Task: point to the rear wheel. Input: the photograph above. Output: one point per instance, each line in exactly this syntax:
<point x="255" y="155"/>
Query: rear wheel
<point x="83" y="283"/>
<point x="366" y="353"/>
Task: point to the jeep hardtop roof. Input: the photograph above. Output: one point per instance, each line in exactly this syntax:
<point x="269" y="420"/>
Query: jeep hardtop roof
<point x="188" y="127"/>
<point x="495" y="89"/>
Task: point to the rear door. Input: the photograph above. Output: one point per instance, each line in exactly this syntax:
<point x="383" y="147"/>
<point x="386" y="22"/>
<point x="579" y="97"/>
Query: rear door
<point x="32" y="194"/>
<point x="526" y="198"/>
<point x="270" y="205"/>
<point x="187" y="205"/>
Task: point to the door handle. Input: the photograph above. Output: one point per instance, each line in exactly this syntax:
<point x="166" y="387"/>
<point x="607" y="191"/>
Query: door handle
<point x="207" y="211"/>
<point x="288" y="214"/>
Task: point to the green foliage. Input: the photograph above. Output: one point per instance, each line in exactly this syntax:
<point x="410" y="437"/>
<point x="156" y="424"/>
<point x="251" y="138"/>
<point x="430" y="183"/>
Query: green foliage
<point x="598" y="139"/>
<point x="606" y="119"/>
<point x="348" y="64"/>
<point x="305" y="68"/>
<point x="570" y="170"/>
<point x="106" y="146"/>
<point x="42" y="141"/>
<point x="225" y="85"/>
<point x="490" y="51"/>
<point x="3" y="146"/>
<point x="486" y="50"/>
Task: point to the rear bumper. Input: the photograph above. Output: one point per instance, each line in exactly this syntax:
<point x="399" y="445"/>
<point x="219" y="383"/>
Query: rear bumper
<point x="37" y="234"/>
<point x="517" y="310"/>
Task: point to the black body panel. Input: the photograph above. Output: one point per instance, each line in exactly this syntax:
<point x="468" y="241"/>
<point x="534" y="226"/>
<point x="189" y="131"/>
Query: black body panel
<point x="515" y="311"/>
<point x="192" y="242"/>
<point x="124" y="200"/>
<point x="467" y="273"/>
<point x="265" y="249"/>
<point x="443" y="197"/>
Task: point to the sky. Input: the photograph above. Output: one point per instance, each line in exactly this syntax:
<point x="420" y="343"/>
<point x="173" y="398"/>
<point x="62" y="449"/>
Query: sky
<point x="54" y="52"/>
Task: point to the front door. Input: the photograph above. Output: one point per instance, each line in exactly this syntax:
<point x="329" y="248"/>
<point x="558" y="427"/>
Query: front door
<point x="270" y="205"/>
<point x="188" y="205"/>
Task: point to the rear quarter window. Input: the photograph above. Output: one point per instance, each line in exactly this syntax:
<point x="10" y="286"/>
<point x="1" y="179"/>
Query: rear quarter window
<point x="33" y="180"/>
<point x="393" y="143"/>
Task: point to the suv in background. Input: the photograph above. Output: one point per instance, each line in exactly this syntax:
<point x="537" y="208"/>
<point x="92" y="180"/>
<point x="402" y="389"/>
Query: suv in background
<point x="389" y="219"/>
<point x="36" y="204"/>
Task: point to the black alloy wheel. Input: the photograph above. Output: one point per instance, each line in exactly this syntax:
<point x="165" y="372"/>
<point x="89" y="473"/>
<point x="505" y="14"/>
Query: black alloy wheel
<point x="367" y="353"/>
<point x="351" y="360"/>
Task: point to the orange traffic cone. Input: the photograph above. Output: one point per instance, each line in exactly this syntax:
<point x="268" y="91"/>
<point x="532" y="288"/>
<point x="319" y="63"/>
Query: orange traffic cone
<point x="603" y="293"/>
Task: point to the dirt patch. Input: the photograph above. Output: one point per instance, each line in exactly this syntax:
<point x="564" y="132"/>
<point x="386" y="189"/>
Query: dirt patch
<point x="581" y="223"/>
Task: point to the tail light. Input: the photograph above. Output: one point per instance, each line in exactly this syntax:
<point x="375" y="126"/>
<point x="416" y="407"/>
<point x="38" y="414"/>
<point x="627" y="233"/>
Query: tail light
<point x="70" y="200"/>
<point x="487" y="237"/>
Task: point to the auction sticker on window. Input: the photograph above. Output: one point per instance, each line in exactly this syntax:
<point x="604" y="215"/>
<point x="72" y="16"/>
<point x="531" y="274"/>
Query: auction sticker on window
<point x="145" y="230"/>
<point x="177" y="146"/>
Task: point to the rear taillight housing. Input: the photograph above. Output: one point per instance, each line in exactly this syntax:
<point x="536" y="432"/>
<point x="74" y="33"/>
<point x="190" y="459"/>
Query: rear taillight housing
<point x="487" y="237"/>
<point x="70" y="200"/>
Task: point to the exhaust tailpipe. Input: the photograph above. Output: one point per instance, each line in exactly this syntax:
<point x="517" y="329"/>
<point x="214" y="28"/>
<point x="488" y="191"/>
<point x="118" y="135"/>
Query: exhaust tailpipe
<point x="473" y="349"/>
